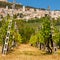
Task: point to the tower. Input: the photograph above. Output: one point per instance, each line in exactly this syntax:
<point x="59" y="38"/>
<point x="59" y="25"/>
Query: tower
<point x="23" y="8"/>
<point x="49" y="10"/>
<point x="14" y="1"/>
<point x="13" y="7"/>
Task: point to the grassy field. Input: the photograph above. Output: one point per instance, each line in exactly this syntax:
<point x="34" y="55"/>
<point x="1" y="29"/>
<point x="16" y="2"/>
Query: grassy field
<point x="26" y="52"/>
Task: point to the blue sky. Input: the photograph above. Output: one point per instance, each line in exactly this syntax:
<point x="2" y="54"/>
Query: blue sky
<point x="54" y="4"/>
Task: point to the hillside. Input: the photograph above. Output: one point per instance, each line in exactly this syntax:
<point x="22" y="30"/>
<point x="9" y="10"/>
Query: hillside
<point x="4" y="4"/>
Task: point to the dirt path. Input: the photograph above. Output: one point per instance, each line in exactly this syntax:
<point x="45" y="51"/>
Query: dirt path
<point x="26" y="52"/>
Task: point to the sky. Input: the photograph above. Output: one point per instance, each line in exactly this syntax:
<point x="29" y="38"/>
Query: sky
<point x="54" y="4"/>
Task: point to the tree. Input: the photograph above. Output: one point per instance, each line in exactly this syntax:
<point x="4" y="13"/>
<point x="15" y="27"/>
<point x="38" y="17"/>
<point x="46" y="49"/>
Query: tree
<point x="47" y="34"/>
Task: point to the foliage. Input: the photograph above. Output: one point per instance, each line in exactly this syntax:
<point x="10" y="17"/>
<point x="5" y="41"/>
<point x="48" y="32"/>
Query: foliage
<point x="33" y="39"/>
<point x="32" y="31"/>
<point x="3" y="31"/>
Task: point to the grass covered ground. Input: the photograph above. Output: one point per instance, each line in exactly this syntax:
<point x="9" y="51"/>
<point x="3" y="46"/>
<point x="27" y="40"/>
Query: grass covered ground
<point x="27" y="52"/>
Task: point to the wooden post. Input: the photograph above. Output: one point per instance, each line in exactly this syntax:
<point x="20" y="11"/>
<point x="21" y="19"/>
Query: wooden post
<point x="6" y="42"/>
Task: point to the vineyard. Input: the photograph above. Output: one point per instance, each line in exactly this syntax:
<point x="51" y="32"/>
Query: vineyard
<point x="43" y="34"/>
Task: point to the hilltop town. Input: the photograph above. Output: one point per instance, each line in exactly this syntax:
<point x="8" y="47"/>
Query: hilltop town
<point x="28" y="12"/>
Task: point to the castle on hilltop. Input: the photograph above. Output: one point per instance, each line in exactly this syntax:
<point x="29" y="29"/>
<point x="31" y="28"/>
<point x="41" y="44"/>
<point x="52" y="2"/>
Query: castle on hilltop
<point x="4" y="0"/>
